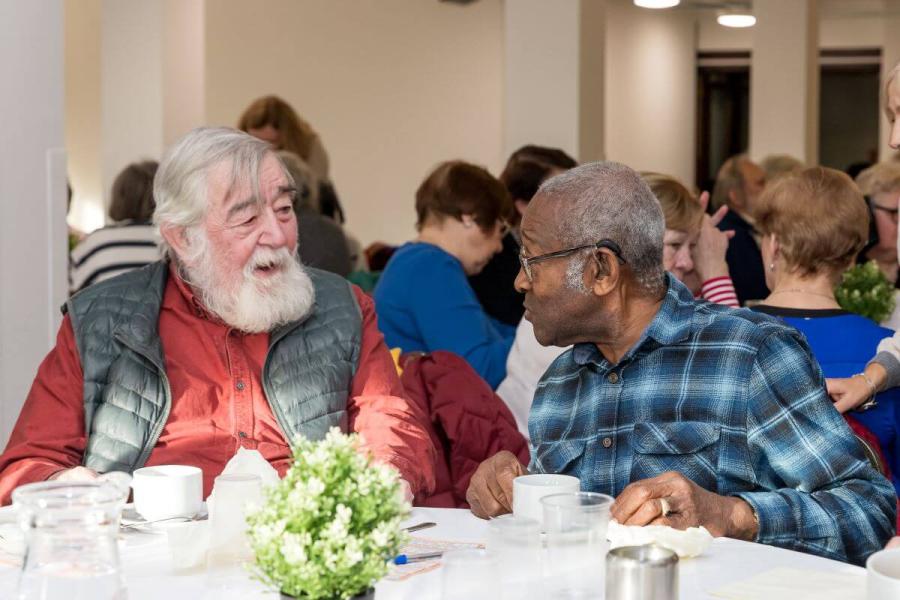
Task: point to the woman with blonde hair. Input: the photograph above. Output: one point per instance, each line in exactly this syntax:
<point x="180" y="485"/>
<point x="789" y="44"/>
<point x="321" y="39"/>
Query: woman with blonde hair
<point x="880" y="184"/>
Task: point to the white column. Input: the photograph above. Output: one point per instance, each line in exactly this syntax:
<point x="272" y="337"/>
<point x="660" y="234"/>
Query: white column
<point x="890" y="56"/>
<point x="784" y="80"/>
<point x="32" y="186"/>
<point x="651" y="89"/>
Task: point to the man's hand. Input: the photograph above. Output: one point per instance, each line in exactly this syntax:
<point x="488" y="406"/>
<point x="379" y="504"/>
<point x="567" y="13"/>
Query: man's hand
<point x="490" y="490"/>
<point x="849" y="393"/>
<point x="687" y="504"/>
<point x="709" y="254"/>
<point x="894" y="543"/>
<point x="74" y="474"/>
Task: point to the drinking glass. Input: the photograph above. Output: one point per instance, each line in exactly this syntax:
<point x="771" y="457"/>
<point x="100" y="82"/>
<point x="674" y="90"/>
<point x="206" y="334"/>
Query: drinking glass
<point x="227" y="505"/>
<point x="70" y="533"/>
<point x="515" y="542"/>
<point x="469" y="575"/>
<point x="576" y="527"/>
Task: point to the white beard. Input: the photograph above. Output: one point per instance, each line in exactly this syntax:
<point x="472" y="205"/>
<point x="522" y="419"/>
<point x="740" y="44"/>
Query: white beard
<point x="259" y="304"/>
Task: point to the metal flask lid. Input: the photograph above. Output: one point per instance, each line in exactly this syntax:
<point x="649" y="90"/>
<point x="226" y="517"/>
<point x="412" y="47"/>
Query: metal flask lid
<point x="641" y="573"/>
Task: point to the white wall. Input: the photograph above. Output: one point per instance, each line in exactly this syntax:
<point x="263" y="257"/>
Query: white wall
<point x="650" y="73"/>
<point x="131" y="86"/>
<point x="32" y="188"/>
<point x="184" y="68"/>
<point x="542" y="74"/>
<point x="392" y="86"/>
<point x="82" y="111"/>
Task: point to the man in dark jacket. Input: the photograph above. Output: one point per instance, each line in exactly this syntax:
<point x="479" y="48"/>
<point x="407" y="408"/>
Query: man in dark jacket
<point x="738" y="185"/>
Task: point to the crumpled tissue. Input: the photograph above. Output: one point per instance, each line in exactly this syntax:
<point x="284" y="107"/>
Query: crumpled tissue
<point x="686" y="544"/>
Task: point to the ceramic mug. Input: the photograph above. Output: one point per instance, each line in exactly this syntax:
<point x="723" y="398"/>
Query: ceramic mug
<point x="883" y="575"/>
<point x="529" y="489"/>
<point x="168" y="491"/>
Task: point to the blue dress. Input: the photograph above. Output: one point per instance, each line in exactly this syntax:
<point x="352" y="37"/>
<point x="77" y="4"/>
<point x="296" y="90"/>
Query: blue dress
<point x="425" y="303"/>
<point x="844" y="343"/>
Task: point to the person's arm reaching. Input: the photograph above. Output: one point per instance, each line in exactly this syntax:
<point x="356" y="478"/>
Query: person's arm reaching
<point x="393" y="428"/>
<point x="824" y="497"/>
<point x="49" y="435"/>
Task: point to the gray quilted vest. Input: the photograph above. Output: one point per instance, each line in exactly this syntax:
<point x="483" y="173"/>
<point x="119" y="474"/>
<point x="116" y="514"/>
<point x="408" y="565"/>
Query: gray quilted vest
<point x="306" y="376"/>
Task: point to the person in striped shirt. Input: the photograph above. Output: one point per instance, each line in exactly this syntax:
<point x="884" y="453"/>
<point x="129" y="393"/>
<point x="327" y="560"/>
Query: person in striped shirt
<point x="130" y="242"/>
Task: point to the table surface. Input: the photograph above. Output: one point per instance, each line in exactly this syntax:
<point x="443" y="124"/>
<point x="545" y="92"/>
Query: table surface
<point x="149" y="574"/>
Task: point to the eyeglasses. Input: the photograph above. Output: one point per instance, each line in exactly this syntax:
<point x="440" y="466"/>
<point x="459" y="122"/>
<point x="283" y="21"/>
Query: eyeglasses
<point x="527" y="262"/>
<point x="892" y="212"/>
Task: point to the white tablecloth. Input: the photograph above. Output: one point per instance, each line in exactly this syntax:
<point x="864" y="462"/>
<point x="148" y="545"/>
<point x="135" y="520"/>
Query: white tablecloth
<point x="149" y="576"/>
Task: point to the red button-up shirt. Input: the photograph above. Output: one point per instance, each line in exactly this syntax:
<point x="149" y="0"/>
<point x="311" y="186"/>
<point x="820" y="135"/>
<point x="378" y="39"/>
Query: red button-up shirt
<point x="218" y="402"/>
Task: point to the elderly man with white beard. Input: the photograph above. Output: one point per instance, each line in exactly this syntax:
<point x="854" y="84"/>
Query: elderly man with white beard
<point x="227" y="343"/>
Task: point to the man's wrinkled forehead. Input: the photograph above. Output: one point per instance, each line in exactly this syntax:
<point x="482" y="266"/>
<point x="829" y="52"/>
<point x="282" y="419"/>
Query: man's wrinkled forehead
<point x="232" y="181"/>
<point x="541" y="221"/>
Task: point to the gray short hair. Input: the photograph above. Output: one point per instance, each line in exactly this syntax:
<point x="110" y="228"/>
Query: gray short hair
<point x="607" y="200"/>
<point x="180" y="187"/>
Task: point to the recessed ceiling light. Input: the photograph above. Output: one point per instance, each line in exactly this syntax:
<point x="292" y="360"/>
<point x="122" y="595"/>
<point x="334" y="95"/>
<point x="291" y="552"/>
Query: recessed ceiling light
<point x="657" y="3"/>
<point x="736" y="20"/>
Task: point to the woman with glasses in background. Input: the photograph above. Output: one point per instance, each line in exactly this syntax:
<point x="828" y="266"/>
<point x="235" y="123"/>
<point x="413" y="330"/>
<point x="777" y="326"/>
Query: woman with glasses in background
<point x="423" y="299"/>
<point x="880" y="184"/>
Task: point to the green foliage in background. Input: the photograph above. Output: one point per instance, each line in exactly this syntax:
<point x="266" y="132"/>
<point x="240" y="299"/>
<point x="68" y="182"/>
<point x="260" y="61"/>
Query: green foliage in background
<point x="867" y="292"/>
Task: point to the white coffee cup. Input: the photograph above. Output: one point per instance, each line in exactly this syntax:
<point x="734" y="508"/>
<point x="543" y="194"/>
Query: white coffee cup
<point x="883" y="575"/>
<point x="168" y="491"/>
<point x="529" y="489"/>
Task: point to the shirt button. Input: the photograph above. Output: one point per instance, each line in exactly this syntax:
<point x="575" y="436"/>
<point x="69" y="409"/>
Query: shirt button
<point x="613" y="377"/>
<point x="240" y="385"/>
<point x="242" y="434"/>
<point x="607" y="442"/>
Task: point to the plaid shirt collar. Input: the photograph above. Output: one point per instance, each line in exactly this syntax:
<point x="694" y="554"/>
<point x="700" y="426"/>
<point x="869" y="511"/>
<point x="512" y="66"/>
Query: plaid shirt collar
<point x="671" y="325"/>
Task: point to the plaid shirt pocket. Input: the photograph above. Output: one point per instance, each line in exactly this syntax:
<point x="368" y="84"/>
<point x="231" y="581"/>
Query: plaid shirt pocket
<point x="688" y="447"/>
<point x="561" y="457"/>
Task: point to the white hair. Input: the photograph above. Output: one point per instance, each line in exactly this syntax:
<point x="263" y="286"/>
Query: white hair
<point x="250" y="303"/>
<point x="607" y="200"/>
<point x="180" y="185"/>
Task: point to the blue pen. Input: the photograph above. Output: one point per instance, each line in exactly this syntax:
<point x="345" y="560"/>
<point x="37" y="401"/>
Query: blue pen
<point x="403" y="559"/>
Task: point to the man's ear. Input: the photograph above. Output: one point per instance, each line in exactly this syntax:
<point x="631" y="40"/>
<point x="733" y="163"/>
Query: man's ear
<point x="605" y="272"/>
<point x="177" y="239"/>
<point x="520" y="205"/>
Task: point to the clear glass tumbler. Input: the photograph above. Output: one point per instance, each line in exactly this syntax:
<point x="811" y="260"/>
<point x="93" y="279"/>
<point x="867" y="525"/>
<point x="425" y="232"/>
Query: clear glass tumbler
<point x="515" y="542"/>
<point x="229" y="545"/>
<point x="70" y="532"/>
<point x="576" y="527"/>
<point x="469" y="575"/>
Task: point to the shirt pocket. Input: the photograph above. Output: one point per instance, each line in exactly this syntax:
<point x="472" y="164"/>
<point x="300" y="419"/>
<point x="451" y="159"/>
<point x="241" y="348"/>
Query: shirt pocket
<point x="562" y="457"/>
<point x="688" y="447"/>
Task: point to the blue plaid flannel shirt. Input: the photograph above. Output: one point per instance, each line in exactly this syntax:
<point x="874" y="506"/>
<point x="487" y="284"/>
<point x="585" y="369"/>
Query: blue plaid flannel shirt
<point x="733" y="400"/>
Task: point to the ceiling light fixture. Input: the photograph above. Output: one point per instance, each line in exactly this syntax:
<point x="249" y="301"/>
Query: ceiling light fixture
<point x="735" y="19"/>
<point x="657" y="3"/>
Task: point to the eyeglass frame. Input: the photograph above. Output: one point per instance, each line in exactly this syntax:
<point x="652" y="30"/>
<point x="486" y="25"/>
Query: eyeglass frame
<point x="892" y="212"/>
<point x="526" y="262"/>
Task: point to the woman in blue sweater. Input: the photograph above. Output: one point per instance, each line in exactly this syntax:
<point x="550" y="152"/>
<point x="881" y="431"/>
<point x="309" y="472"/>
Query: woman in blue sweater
<point x="813" y="224"/>
<point x="423" y="299"/>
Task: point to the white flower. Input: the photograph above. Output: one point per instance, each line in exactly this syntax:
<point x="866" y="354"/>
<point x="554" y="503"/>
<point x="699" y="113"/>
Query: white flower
<point x="292" y="549"/>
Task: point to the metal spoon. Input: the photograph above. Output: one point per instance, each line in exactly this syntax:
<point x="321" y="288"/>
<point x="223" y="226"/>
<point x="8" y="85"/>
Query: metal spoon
<point x="419" y="527"/>
<point x="140" y="524"/>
